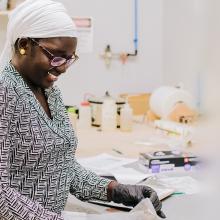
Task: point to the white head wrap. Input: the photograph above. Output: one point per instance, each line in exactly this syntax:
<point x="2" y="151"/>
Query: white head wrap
<point x="36" y="19"/>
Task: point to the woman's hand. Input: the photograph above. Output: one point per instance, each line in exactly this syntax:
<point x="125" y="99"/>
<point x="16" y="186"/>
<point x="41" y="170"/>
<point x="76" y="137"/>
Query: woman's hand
<point x="131" y="195"/>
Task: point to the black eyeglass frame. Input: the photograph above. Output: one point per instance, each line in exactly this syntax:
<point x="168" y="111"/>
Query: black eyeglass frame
<point x="53" y="58"/>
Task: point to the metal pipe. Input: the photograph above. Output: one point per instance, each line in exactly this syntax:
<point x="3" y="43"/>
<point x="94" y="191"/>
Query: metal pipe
<point x="135" y="30"/>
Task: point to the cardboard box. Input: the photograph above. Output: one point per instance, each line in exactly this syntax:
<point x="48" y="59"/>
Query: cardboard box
<point x="138" y="102"/>
<point x="158" y="159"/>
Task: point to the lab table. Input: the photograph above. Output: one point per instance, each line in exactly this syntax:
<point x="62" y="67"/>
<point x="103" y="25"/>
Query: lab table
<point x="92" y="142"/>
<point x="143" y="138"/>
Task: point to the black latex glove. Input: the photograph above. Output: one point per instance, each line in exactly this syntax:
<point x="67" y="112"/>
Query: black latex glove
<point x="131" y="195"/>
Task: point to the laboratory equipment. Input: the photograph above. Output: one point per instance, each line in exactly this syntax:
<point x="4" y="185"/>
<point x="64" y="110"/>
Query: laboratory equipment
<point x="174" y="128"/>
<point x="109" y="115"/>
<point x="107" y="56"/>
<point x="123" y="56"/>
<point x="72" y="112"/>
<point x="126" y="118"/>
<point x="85" y="115"/>
<point x="96" y="107"/>
<point x="173" y="104"/>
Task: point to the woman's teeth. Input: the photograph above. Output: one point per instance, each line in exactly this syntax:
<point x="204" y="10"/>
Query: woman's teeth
<point x="52" y="77"/>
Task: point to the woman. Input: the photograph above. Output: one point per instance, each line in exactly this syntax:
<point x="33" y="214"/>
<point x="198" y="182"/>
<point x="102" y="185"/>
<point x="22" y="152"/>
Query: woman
<point x="37" y="144"/>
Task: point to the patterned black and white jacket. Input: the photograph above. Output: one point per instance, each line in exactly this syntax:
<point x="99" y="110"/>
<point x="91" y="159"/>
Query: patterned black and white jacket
<point x="38" y="168"/>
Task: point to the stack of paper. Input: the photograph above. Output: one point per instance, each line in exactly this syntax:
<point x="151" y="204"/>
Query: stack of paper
<point x="102" y="163"/>
<point x="184" y="184"/>
<point x="129" y="175"/>
<point x="107" y="165"/>
<point x="144" y="210"/>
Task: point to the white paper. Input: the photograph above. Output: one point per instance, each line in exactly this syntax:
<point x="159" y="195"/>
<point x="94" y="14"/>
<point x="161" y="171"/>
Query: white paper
<point x="147" y="143"/>
<point x="104" y="163"/>
<point x="184" y="184"/>
<point x="85" y="34"/>
<point x="162" y="190"/>
<point x="147" y="207"/>
<point x="78" y="206"/>
<point x="139" y="215"/>
<point x="129" y="175"/>
<point x="144" y="210"/>
<point x="74" y="215"/>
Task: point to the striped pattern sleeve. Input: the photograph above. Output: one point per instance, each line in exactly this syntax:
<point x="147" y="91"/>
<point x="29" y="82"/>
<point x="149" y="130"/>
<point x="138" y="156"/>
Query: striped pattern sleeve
<point x="13" y="205"/>
<point x="87" y="185"/>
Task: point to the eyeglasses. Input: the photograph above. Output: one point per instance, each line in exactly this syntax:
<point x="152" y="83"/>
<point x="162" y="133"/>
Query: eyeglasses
<point x="54" y="60"/>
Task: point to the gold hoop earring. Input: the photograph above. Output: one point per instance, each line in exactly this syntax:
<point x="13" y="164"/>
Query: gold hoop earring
<point x="22" y="51"/>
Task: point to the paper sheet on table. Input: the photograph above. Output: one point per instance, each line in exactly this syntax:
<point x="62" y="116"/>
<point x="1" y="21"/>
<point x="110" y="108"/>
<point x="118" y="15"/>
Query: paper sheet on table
<point x="147" y="207"/>
<point x="144" y="210"/>
<point x="74" y="215"/>
<point x="183" y="184"/>
<point x="139" y="215"/>
<point x="101" y="164"/>
<point x="158" y="143"/>
<point x="129" y="175"/>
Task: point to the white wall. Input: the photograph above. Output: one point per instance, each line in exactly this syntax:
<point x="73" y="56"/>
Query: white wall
<point x="114" y="25"/>
<point x="178" y="41"/>
<point x="191" y="33"/>
<point x="211" y="61"/>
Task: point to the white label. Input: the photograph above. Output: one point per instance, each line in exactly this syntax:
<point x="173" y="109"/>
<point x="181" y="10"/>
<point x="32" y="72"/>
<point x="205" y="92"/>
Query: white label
<point x="85" y="34"/>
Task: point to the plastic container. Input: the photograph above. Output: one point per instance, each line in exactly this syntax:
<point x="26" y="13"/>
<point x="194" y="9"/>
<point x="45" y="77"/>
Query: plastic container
<point x="73" y="116"/>
<point x="85" y="115"/>
<point x="109" y="115"/>
<point x="96" y="108"/>
<point x="126" y="118"/>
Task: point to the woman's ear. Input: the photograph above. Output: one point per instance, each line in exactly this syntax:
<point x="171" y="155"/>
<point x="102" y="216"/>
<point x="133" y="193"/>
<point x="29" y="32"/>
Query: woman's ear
<point x="23" y="46"/>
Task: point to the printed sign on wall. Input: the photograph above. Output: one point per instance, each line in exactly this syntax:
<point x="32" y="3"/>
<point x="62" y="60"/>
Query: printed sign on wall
<point x="85" y="34"/>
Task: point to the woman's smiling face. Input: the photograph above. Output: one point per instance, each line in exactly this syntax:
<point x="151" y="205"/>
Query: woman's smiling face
<point x="36" y="65"/>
